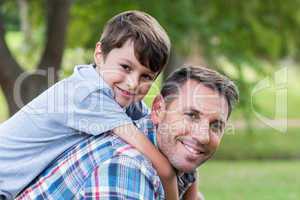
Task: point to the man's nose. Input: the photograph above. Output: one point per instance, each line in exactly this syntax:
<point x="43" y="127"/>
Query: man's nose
<point x="200" y="132"/>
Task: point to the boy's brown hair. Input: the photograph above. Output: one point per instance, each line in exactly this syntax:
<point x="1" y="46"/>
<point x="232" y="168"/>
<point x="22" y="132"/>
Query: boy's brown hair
<point x="151" y="42"/>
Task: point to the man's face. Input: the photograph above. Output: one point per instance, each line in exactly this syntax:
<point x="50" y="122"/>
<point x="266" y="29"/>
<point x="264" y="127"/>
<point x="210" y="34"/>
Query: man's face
<point x="129" y="80"/>
<point x="190" y="128"/>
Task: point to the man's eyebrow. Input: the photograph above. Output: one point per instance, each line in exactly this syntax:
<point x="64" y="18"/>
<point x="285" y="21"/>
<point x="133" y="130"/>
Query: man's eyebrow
<point x="193" y="109"/>
<point x="199" y="112"/>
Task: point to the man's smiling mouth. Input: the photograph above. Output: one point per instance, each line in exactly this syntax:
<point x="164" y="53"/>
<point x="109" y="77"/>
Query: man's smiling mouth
<point x="192" y="149"/>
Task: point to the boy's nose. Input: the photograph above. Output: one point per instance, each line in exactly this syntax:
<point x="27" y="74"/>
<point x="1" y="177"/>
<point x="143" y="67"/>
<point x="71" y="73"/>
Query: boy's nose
<point x="132" y="82"/>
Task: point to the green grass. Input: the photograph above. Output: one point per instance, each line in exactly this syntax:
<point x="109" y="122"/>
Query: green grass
<point x="266" y="99"/>
<point x="261" y="144"/>
<point x="250" y="180"/>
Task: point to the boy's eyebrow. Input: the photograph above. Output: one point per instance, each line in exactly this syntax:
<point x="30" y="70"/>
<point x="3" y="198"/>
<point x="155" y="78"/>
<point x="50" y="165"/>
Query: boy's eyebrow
<point x="128" y="61"/>
<point x="132" y="64"/>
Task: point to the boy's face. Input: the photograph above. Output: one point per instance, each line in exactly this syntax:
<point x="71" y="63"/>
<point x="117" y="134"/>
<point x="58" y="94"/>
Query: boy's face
<point x="129" y="80"/>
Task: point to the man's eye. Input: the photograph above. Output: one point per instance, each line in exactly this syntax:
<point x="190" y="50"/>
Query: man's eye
<point x="216" y="127"/>
<point x="192" y="116"/>
<point x="126" y="67"/>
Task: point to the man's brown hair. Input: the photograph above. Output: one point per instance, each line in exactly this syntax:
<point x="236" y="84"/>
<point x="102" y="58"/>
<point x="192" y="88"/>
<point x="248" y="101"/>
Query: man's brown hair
<point x="208" y="77"/>
<point x="151" y="42"/>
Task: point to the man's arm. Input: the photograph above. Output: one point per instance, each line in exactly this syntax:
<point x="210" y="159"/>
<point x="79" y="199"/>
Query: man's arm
<point x="121" y="177"/>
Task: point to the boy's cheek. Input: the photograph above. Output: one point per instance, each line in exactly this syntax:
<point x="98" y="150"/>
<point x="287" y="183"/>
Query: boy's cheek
<point x="140" y="96"/>
<point x="142" y="92"/>
<point x="144" y="89"/>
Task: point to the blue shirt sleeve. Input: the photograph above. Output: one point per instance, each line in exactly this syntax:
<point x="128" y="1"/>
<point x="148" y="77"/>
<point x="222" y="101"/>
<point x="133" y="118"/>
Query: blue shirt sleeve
<point x="91" y="107"/>
<point x="97" y="113"/>
<point x="88" y="103"/>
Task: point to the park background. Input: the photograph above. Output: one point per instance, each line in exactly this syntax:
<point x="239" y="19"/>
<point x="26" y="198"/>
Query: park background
<point x="256" y="43"/>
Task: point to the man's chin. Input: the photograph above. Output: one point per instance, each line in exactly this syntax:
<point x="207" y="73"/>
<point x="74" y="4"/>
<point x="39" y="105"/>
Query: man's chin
<point x="189" y="167"/>
<point x="186" y="168"/>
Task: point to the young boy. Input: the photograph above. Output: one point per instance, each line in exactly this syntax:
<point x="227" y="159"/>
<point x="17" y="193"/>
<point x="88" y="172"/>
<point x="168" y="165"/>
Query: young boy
<point x="132" y="51"/>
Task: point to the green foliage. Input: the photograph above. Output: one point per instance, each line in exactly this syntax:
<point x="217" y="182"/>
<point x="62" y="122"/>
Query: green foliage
<point x="4" y="108"/>
<point x="243" y="32"/>
<point x="249" y="35"/>
<point x="73" y="57"/>
<point x="9" y="14"/>
<point x="88" y="18"/>
<point x="154" y="90"/>
<point x="26" y="59"/>
<point x="248" y="180"/>
<point x="261" y="144"/>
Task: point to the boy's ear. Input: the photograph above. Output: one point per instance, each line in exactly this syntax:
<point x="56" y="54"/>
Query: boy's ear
<point x="98" y="56"/>
<point x="158" y="110"/>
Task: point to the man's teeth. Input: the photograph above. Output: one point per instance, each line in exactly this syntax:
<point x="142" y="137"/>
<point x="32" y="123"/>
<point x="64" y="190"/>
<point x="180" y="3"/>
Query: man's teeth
<point x="190" y="149"/>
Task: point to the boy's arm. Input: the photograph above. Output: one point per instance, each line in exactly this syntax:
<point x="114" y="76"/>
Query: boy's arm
<point x="192" y="193"/>
<point x="97" y="112"/>
<point x="133" y="136"/>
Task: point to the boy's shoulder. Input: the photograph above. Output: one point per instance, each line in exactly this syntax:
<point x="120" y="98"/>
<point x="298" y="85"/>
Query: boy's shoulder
<point x="86" y="73"/>
<point x="84" y="81"/>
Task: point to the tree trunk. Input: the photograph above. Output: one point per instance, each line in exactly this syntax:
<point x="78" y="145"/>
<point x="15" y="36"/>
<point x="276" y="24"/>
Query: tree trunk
<point x="20" y="87"/>
<point x="25" y="24"/>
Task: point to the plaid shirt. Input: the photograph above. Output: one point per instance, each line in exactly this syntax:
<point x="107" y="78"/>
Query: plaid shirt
<point x="102" y="167"/>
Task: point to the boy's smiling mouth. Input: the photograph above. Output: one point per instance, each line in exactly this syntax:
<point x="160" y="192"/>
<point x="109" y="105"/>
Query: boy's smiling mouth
<point x="125" y="92"/>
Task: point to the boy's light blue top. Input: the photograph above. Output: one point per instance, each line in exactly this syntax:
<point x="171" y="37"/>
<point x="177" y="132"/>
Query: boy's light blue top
<point x="57" y="119"/>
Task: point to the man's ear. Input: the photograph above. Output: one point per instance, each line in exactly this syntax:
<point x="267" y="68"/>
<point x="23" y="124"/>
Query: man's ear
<point x="98" y="56"/>
<point x="158" y="109"/>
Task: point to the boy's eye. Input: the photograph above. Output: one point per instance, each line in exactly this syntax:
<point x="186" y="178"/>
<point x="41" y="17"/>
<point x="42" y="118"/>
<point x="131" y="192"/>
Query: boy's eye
<point x="147" y="77"/>
<point x="126" y="67"/>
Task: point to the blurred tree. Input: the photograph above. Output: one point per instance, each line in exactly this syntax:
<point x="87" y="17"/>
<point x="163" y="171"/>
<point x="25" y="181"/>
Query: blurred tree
<point x="35" y="83"/>
<point x="243" y="33"/>
<point x="25" y="23"/>
<point x="238" y="30"/>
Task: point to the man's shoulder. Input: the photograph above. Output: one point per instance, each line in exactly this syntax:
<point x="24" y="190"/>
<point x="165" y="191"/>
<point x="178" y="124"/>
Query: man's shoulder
<point x="126" y="173"/>
<point x="128" y="153"/>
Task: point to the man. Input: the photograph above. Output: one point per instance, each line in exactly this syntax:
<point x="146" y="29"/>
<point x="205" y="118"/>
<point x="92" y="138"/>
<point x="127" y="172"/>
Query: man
<point x="186" y="124"/>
